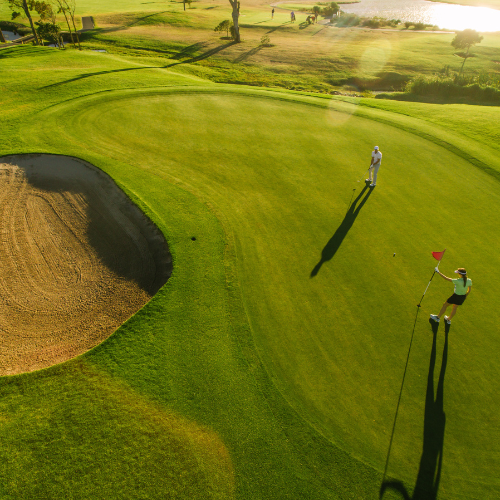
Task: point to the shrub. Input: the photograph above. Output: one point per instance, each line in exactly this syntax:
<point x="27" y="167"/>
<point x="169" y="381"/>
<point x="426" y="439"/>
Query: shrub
<point x="330" y="10"/>
<point x="419" y="26"/>
<point x="265" y="41"/>
<point x="224" y="26"/>
<point x="456" y="88"/>
<point x="347" y="20"/>
<point x="48" y="31"/>
<point x="407" y="24"/>
<point x="376" y="22"/>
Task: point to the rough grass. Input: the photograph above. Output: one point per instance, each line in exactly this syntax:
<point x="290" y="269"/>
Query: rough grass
<point x="245" y="377"/>
<point x="317" y="58"/>
<point x="300" y="56"/>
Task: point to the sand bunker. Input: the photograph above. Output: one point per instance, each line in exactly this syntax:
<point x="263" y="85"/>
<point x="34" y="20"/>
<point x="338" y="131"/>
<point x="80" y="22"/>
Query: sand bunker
<point x="77" y="259"/>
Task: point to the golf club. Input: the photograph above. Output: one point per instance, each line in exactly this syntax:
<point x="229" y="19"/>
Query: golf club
<point x="366" y="171"/>
<point x="354" y="190"/>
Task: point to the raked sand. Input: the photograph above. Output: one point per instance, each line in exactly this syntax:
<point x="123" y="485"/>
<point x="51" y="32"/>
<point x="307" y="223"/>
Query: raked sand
<point x="77" y="259"/>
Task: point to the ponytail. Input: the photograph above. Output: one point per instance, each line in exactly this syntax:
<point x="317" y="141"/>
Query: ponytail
<point x="463" y="273"/>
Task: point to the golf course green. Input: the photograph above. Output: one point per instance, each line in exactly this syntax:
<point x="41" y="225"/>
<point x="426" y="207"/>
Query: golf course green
<point x="286" y="356"/>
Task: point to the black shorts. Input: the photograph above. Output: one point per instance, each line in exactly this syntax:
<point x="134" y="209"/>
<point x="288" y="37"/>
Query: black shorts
<point x="457" y="299"/>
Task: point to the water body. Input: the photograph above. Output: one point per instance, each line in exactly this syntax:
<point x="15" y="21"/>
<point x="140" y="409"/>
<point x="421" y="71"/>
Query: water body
<point x="446" y="16"/>
<point x="9" y="36"/>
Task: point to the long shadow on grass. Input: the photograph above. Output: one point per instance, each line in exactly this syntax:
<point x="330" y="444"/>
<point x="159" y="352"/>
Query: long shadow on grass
<point x="336" y="240"/>
<point x="205" y="55"/>
<point x="190" y="50"/>
<point x="431" y="461"/>
<point x="248" y="54"/>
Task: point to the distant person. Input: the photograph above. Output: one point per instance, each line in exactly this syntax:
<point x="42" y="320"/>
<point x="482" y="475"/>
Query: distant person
<point x="374" y="166"/>
<point x="292" y="16"/>
<point x="272" y="14"/>
<point x="463" y="287"/>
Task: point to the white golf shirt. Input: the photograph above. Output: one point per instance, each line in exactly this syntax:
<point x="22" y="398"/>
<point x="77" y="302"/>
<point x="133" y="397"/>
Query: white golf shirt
<point x="377" y="155"/>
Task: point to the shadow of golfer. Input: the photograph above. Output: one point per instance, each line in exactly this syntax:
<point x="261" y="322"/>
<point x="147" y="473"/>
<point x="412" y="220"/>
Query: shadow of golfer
<point x="336" y="240"/>
<point x="429" y="473"/>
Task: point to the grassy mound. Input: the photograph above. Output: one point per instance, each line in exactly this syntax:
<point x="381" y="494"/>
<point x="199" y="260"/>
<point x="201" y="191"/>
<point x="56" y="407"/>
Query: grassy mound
<point x="270" y="365"/>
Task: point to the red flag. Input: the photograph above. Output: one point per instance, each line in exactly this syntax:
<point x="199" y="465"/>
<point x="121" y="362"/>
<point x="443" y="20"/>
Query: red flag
<point x="438" y="255"/>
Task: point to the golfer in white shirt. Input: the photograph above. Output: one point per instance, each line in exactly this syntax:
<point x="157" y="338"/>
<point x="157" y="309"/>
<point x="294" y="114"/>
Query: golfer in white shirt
<point x="374" y="166"/>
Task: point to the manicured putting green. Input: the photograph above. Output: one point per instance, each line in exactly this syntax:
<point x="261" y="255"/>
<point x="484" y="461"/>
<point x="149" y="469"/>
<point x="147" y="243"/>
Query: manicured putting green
<point x="331" y="310"/>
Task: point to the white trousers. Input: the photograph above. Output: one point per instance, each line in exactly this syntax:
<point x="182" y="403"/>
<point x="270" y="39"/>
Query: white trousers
<point x="373" y="172"/>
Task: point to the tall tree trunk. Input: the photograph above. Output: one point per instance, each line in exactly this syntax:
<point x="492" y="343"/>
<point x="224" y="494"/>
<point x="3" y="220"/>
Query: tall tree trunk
<point x="76" y="31"/>
<point x="28" y="15"/>
<point x="2" y="38"/>
<point x="70" y="7"/>
<point x="465" y="59"/>
<point x="69" y="27"/>
<point x="235" y="15"/>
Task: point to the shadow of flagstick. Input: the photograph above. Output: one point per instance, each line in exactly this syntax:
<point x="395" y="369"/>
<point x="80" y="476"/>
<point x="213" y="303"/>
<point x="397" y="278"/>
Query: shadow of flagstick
<point x="431" y="461"/>
<point x="336" y="240"/>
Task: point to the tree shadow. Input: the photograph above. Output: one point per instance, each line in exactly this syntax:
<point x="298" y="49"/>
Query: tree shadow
<point x="248" y="54"/>
<point x="190" y="50"/>
<point x="319" y="31"/>
<point x="15" y="51"/>
<point x="431" y="461"/>
<point x="336" y="240"/>
<point x="114" y="29"/>
<point x="205" y="55"/>
<point x="272" y="30"/>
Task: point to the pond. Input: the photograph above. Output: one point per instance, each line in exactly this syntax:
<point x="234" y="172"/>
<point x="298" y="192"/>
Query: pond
<point x="446" y="16"/>
<point x="9" y="36"/>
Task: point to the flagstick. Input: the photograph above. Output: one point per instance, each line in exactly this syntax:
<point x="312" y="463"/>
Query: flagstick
<point x="439" y="262"/>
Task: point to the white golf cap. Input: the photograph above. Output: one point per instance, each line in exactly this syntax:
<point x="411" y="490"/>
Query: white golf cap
<point x="463" y="273"/>
<point x="376" y="147"/>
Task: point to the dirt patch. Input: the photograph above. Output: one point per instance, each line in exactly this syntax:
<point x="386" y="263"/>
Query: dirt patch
<point x="77" y="259"/>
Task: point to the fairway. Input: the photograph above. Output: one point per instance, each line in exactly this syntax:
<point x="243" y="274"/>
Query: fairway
<point x="285" y="357"/>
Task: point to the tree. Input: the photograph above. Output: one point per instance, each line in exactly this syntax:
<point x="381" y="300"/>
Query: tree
<point x="61" y="9"/>
<point x="49" y="32"/>
<point x="27" y="6"/>
<point x="335" y="7"/>
<point x="465" y="40"/>
<point x="2" y="38"/>
<point x="68" y="8"/>
<point x="235" y="15"/>
<point x="224" y="26"/>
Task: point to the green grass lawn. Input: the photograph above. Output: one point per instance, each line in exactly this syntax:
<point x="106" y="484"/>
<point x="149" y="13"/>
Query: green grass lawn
<point x="270" y="364"/>
<point x="314" y="57"/>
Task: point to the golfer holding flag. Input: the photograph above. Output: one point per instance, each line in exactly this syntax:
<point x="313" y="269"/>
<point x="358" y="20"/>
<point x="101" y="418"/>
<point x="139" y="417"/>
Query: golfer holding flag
<point x="463" y="287"/>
